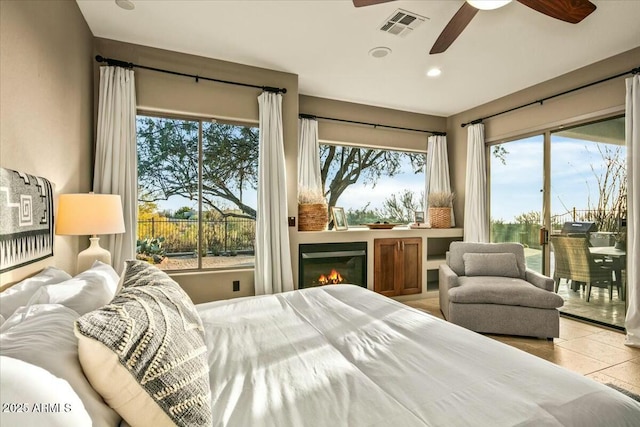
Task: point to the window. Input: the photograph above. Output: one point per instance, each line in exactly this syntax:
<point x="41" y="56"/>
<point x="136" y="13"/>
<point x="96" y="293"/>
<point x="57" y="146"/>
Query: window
<point x="373" y="184"/>
<point x="197" y="196"/>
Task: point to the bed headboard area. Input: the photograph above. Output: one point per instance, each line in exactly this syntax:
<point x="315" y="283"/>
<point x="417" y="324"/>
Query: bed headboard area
<point x="26" y="220"/>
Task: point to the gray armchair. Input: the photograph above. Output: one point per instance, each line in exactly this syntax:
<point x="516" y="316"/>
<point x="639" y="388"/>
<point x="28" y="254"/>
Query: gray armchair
<point x="486" y="287"/>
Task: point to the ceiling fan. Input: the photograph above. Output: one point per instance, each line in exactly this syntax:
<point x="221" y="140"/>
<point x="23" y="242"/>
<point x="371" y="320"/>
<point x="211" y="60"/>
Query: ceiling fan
<point x="572" y="11"/>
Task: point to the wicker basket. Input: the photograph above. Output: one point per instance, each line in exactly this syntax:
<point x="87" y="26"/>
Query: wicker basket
<point x="440" y="217"/>
<point x="312" y="217"/>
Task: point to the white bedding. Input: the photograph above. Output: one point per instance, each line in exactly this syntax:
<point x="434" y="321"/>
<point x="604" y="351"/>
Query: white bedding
<point x="344" y="356"/>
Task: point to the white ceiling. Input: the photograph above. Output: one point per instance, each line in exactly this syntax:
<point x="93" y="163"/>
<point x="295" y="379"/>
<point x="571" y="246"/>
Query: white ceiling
<point x="326" y="43"/>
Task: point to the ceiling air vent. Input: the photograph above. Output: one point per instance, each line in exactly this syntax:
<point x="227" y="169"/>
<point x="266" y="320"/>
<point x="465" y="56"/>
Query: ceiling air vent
<point x="402" y="22"/>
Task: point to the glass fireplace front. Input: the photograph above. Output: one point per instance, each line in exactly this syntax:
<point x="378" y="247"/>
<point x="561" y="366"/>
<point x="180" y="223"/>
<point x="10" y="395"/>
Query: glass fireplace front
<point x="332" y="263"/>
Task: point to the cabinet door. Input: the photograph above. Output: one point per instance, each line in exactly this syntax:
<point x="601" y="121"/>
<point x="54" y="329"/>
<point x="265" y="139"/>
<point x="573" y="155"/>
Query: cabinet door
<point x="397" y="266"/>
<point x="385" y="268"/>
<point x="411" y="266"/>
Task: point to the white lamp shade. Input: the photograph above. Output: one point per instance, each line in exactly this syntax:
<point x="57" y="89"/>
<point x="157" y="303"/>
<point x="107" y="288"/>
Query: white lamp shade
<point x="89" y="214"/>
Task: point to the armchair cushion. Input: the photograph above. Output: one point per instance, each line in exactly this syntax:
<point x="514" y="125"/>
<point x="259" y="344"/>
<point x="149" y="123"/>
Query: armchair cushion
<point x="491" y="264"/>
<point x="458" y="249"/>
<point x="504" y="291"/>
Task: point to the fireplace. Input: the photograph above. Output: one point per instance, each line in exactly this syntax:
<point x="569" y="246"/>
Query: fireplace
<point x="332" y="263"/>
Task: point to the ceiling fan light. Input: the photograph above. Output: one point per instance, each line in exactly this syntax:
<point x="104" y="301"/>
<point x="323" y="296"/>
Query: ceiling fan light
<point x="488" y="4"/>
<point x="434" y="72"/>
<point x="126" y="4"/>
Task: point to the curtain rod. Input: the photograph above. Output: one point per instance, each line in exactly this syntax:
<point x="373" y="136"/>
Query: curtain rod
<point x="375" y="125"/>
<point x="541" y="101"/>
<point x="118" y="63"/>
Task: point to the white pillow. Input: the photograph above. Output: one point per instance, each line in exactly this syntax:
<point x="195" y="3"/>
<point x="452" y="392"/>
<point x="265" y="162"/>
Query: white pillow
<point x="145" y="352"/>
<point x="86" y="292"/>
<point x="33" y="397"/>
<point x="45" y="338"/>
<point x="19" y="294"/>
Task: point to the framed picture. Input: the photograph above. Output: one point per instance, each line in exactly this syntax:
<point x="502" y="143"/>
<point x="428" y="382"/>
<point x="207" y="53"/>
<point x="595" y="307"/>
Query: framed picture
<point x="339" y="218"/>
<point x="418" y="217"/>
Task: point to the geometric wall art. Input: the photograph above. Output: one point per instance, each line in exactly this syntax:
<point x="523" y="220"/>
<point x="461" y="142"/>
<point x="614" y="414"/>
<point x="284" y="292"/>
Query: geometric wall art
<point x="26" y="219"/>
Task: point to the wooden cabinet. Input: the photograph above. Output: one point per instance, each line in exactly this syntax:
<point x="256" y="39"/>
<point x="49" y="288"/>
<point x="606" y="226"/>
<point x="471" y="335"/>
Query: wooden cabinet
<point x="397" y="266"/>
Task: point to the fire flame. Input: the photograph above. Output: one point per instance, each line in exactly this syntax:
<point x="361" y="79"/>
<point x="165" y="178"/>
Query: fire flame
<point x="332" y="279"/>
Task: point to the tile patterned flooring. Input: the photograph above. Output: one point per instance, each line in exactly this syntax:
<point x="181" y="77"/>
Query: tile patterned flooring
<point x="599" y="307"/>
<point x="589" y="350"/>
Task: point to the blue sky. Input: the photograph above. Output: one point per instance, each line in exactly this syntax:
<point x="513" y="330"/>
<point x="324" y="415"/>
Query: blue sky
<point x="515" y="187"/>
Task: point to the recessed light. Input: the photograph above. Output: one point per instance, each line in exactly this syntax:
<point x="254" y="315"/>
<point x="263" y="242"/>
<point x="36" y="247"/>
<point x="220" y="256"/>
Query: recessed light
<point x="379" y="52"/>
<point x="126" y="4"/>
<point x="434" y="72"/>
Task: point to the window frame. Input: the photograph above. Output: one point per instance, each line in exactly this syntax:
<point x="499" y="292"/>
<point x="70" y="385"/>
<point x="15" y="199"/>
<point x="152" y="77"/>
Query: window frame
<point x="200" y="119"/>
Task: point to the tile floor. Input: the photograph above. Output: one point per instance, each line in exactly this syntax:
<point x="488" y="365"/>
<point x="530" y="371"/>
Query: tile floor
<point x="599" y="307"/>
<point x="593" y="351"/>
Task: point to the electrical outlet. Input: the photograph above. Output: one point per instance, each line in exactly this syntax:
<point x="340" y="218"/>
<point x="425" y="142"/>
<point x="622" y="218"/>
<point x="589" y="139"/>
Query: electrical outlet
<point x="292" y="221"/>
<point x="236" y="285"/>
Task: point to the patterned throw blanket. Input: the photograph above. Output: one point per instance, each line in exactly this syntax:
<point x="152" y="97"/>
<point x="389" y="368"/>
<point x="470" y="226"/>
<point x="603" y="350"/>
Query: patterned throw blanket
<point x="26" y="220"/>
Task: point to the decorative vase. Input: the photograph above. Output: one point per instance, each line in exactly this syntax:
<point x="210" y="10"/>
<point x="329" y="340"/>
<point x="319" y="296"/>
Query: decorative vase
<point x="312" y="217"/>
<point x="440" y="217"/>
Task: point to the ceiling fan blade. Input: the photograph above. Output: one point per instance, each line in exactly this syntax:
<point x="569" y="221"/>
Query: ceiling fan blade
<point x="572" y="11"/>
<point x="360" y="3"/>
<point x="453" y="29"/>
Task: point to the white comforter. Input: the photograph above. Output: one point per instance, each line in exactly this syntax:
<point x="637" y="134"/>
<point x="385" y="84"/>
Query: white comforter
<point x="344" y="356"/>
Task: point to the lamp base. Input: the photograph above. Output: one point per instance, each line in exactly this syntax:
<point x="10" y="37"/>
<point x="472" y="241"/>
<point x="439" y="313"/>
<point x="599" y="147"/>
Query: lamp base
<point x="92" y="254"/>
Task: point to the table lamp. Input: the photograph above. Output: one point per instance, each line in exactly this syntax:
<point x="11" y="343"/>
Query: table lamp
<point x="90" y="214"/>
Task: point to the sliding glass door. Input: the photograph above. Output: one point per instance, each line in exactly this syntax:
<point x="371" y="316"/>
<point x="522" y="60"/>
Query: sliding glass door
<point x="572" y="182"/>
<point x="588" y="177"/>
<point x="516" y="176"/>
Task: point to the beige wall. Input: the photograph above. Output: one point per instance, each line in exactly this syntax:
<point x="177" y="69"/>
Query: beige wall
<point x="598" y="101"/>
<point x="332" y="131"/>
<point x="46" y="100"/>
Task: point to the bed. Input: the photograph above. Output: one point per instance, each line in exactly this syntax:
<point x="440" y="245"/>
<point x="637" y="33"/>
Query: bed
<point x="336" y="355"/>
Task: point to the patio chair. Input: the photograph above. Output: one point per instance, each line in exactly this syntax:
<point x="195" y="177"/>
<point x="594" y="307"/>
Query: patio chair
<point x="574" y="262"/>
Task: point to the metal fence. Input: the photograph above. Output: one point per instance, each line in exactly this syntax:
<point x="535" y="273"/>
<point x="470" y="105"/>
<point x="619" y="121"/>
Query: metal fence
<point x="227" y="235"/>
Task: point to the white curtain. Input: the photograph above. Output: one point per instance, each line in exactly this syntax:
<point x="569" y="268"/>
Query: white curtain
<point x="273" y="272"/>
<point x="308" y="156"/>
<point x="115" y="169"/>
<point x="632" y="119"/>
<point x="437" y="170"/>
<point x="476" y="216"/>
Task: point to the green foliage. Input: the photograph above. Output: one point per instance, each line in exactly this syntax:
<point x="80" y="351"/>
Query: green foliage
<point x="400" y="207"/>
<point x="184" y="212"/>
<point x="168" y="161"/>
<point x="362" y="216"/>
<point x="532" y="217"/>
<point x="500" y="153"/>
<point x="151" y="249"/>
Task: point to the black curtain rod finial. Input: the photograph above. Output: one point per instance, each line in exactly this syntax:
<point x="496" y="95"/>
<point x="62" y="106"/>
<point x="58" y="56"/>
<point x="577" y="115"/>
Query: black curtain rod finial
<point x="274" y="89"/>
<point x="114" y="62"/>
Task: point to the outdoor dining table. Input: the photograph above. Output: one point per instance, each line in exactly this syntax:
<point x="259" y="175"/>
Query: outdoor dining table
<point x="619" y="257"/>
